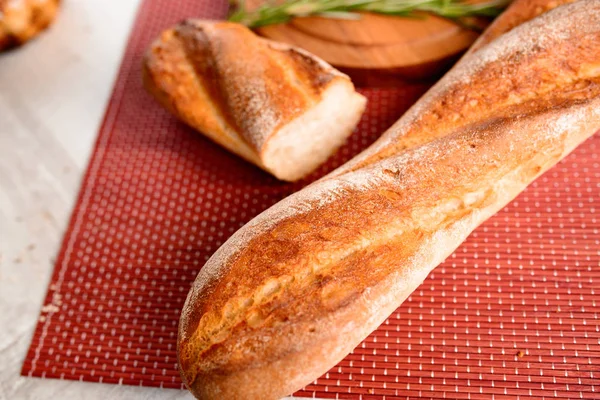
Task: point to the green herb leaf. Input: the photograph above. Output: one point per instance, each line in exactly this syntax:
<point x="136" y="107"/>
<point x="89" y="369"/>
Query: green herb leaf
<point x="271" y="13"/>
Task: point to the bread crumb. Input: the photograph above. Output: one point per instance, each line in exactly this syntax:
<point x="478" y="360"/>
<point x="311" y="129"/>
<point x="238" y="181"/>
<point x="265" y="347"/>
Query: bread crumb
<point x="520" y="354"/>
<point x="50" y="308"/>
<point x="47" y="215"/>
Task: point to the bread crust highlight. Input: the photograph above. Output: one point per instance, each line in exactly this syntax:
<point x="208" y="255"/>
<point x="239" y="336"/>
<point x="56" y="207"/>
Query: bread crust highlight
<point x="294" y="290"/>
<point x="241" y="91"/>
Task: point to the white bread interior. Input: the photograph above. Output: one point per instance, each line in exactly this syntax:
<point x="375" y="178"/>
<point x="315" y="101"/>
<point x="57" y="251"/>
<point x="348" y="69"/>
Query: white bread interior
<point x="307" y="141"/>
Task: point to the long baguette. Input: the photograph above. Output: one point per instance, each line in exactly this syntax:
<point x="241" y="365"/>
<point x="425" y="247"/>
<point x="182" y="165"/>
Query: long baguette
<point x="297" y="288"/>
<point x="481" y="86"/>
<point x="519" y="12"/>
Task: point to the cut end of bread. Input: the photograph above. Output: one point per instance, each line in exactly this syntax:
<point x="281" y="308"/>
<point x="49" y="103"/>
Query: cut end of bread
<point x="279" y="107"/>
<point x="308" y="140"/>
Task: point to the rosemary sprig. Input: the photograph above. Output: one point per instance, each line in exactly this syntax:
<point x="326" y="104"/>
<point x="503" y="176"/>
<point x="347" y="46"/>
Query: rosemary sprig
<point x="271" y="13"/>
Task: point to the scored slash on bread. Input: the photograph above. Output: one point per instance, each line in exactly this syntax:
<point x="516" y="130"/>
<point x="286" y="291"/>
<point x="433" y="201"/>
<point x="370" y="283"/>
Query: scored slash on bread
<point x="298" y="287"/>
<point x="520" y="11"/>
<point x="275" y="105"/>
<point x="486" y="83"/>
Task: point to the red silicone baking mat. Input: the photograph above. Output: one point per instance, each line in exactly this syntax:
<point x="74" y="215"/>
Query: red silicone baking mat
<point x="514" y="312"/>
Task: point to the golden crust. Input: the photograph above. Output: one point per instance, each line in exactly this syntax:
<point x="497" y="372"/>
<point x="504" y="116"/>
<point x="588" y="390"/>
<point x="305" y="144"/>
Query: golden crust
<point x="519" y="12"/>
<point x="233" y="86"/>
<point x="298" y="287"/>
<point x="21" y="20"/>
<point x="294" y="300"/>
<point x="535" y="73"/>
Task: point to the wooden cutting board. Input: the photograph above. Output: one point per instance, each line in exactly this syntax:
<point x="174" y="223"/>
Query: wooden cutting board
<point x="376" y="45"/>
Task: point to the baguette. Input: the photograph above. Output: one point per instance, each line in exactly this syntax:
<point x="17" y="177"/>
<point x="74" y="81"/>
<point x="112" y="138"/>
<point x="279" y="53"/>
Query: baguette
<point x="476" y="89"/>
<point x="519" y="12"/>
<point x="277" y="106"/>
<point x="298" y="287"/>
<point x="22" y="20"/>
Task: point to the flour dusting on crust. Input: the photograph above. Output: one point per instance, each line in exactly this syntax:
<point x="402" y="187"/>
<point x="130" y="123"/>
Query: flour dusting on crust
<point x="541" y="33"/>
<point x="438" y="193"/>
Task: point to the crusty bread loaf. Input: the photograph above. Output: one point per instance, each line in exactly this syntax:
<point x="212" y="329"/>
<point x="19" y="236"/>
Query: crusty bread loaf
<point x="298" y="287"/>
<point x="21" y="20"/>
<point x="478" y="88"/>
<point x="276" y="106"/>
<point x="519" y="12"/>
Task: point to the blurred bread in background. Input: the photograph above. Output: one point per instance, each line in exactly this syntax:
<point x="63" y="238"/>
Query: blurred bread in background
<point x="21" y="20"/>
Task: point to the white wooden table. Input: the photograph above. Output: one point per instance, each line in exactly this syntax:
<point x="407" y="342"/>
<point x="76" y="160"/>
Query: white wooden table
<point x="52" y="97"/>
<point x="53" y="93"/>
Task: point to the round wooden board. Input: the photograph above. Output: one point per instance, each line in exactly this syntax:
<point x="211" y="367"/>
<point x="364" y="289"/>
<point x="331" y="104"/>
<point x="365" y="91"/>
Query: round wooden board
<point x="407" y="47"/>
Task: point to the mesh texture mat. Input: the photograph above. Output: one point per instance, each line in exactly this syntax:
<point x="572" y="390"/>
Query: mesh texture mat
<point x="515" y="311"/>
